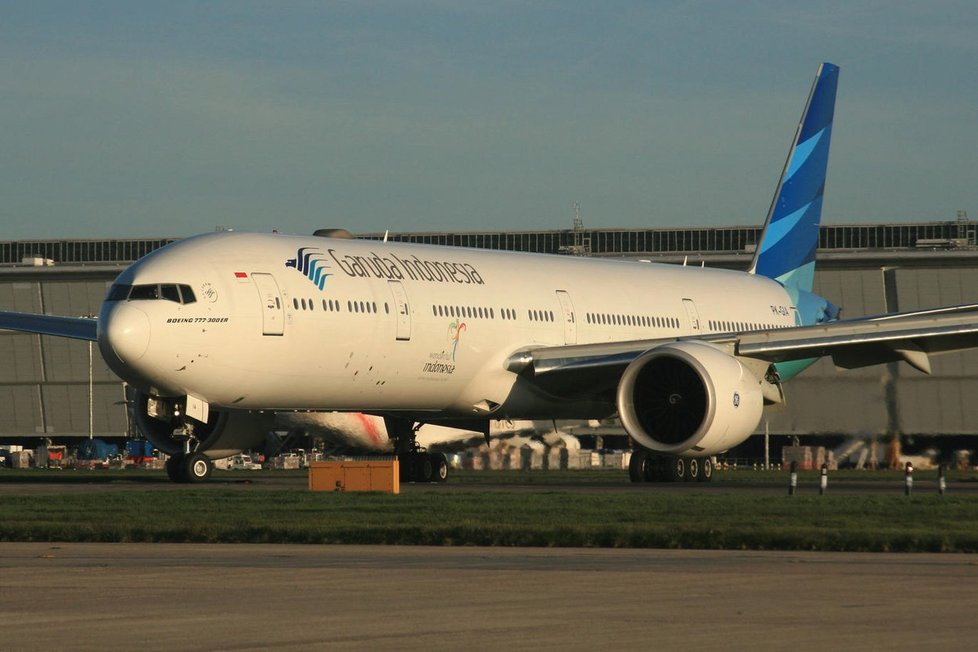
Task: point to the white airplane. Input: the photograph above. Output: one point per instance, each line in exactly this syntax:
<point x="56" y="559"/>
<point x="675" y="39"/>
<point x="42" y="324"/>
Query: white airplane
<point x="367" y="433"/>
<point x="356" y="432"/>
<point x="219" y="331"/>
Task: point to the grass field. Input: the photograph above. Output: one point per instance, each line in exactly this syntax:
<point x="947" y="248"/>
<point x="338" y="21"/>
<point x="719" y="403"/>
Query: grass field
<point x="469" y="515"/>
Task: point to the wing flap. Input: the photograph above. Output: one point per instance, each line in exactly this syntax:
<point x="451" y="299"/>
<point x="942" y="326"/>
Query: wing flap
<point x="588" y="370"/>
<point x="79" y="328"/>
<point x="861" y="343"/>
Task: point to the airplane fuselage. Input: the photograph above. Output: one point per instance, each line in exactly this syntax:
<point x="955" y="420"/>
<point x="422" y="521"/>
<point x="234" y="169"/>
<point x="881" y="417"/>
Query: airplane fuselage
<point x="284" y="322"/>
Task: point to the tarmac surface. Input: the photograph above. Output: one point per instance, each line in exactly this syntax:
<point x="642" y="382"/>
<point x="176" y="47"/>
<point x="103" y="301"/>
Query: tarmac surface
<point x="211" y="597"/>
<point x="215" y="596"/>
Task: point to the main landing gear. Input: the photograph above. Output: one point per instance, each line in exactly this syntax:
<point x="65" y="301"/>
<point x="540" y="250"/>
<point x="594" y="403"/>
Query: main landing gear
<point x="189" y="467"/>
<point x="647" y="467"/>
<point x="417" y="464"/>
<point x="421" y="466"/>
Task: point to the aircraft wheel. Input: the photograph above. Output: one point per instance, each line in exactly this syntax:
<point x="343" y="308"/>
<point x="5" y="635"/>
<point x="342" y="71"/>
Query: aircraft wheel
<point x="706" y="470"/>
<point x="198" y="467"/>
<point x="693" y="470"/>
<point x="424" y="470"/>
<point x="654" y="469"/>
<point x="677" y="469"/>
<point x="637" y="464"/>
<point x="439" y="467"/>
<point x="175" y="469"/>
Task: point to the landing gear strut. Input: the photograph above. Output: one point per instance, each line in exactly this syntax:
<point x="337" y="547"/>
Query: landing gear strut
<point x="648" y="467"/>
<point x="417" y="464"/>
<point x="190" y="466"/>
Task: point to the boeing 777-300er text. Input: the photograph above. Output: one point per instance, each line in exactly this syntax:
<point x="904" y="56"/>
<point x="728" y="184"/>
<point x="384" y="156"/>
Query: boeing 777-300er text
<point x="219" y="331"/>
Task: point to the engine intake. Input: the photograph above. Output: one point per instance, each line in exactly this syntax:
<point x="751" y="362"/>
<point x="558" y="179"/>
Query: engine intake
<point x="689" y="398"/>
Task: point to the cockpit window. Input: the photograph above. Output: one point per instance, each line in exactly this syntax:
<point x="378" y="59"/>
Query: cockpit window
<point x="118" y="292"/>
<point x="167" y="291"/>
<point x="187" y="294"/>
<point x="144" y="292"/>
<point x="170" y="293"/>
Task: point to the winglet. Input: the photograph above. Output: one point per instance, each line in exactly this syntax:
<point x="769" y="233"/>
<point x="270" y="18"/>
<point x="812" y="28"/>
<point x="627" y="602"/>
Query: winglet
<point x="786" y="251"/>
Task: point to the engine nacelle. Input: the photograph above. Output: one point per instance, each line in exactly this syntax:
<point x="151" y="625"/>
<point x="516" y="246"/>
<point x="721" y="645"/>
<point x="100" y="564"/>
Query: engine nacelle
<point x="689" y="398"/>
<point x="226" y="432"/>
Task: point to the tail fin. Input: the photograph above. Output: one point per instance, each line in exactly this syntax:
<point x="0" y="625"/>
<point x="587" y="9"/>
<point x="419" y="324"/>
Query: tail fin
<point x="786" y="251"/>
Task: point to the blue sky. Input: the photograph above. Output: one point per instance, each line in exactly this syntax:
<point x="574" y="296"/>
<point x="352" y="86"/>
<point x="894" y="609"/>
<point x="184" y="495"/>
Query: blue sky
<point x="136" y="119"/>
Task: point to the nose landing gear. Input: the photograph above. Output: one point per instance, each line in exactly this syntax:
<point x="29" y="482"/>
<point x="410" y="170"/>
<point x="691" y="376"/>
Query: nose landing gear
<point x="189" y="468"/>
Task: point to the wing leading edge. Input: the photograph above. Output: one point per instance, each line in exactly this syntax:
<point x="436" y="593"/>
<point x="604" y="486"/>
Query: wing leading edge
<point x="594" y="369"/>
<point x="79" y="328"/>
<point x="910" y="337"/>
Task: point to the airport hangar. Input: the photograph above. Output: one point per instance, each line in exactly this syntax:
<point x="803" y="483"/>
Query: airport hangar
<point x="61" y="389"/>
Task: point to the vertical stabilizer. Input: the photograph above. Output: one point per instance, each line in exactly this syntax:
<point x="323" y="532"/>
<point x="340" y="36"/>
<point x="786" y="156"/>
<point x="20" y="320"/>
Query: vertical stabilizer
<point x="786" y="251"/>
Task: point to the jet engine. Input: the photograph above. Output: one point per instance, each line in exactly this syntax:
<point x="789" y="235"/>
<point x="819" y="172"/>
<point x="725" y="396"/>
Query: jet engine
<point x="226" y="432"/>
<point x="688" y="398"/>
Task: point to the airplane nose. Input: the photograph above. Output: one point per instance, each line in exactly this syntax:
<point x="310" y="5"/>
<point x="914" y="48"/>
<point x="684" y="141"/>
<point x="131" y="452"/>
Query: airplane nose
<point x="125" y="332"/>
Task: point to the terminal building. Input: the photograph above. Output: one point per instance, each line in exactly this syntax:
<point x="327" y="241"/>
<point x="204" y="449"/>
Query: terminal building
<point x="60" y="389"/>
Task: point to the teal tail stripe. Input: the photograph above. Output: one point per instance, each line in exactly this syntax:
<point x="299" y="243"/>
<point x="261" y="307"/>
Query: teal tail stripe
<point x="786" y="251"/>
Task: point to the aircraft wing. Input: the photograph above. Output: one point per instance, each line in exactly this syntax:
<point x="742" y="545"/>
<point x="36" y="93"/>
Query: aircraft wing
<point x="593" y="369"/>
<point x="910" y="337"/>
<point x="79" y="328"/>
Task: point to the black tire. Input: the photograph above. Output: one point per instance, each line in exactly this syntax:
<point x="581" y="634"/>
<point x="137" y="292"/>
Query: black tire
<point x="440" y="467"/>
<point x="424" y="470"/>
<point x="176" y="469"/>
<point x="677" y="469"/>
<point x="653" y="469"/>
<point x="693" y="470"/>
<point x="198" y="467"/>
<point x="637" y="464"/>
<point x="706" y="470"/>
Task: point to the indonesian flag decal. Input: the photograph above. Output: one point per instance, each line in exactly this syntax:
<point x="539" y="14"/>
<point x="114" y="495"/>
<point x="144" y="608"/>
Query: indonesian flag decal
<point x="241" y="276"/>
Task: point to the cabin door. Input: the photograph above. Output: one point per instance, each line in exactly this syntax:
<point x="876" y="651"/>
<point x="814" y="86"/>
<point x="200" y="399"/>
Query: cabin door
<point x="402" y="310"/>
<point x="272" y="311"/>
<point x="694" y="316"/>
<point x="567" y="316"/>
